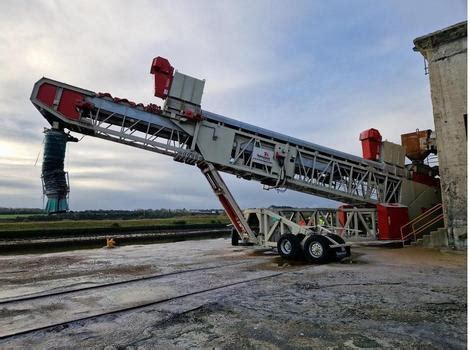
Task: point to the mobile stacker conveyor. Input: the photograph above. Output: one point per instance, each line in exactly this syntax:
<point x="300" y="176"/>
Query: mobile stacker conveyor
<point x="182" y="130"/>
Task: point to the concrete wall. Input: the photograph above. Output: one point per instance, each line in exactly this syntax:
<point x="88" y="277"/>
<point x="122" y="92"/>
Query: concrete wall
<point x="446" y="53"/>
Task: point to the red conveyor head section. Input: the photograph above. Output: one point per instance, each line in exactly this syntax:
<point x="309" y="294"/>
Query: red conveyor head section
<point x="163" y="72"/>
<point x="63" y="99"/>
<point x="371" y="143"/>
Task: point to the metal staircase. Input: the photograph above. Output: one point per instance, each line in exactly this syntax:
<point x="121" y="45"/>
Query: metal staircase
<point x="424" y="224"/>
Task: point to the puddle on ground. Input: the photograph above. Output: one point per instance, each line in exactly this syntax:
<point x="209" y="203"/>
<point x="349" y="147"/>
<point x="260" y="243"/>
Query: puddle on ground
<point x="277" y="261"/>
<point x="352" y="262"/>
<point x="66" y="246"/>
<point x="261" y="252"/>
<point x="285" y="263"/>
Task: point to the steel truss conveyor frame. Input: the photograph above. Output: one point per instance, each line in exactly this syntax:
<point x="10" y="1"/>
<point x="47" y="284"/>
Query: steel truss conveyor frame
<point x="307" y="168"/>
<point x="217" y="143"/>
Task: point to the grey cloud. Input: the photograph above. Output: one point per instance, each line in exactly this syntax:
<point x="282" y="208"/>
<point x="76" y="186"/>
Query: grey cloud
<point x="108" y="46"/>
<point x="17" y="183"/>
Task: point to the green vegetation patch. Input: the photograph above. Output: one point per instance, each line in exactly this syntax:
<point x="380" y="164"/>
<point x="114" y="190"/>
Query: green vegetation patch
<point x="12" y="230"/>
<point x="14" y="216"/>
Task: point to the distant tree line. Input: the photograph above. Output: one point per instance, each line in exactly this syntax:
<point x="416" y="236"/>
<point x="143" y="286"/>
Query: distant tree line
<point x="20" y="210"/>
<point x="38" y="214"/>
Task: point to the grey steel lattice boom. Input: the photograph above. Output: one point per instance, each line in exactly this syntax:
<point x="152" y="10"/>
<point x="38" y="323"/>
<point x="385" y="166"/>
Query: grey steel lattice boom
<point x="247" y="151"/>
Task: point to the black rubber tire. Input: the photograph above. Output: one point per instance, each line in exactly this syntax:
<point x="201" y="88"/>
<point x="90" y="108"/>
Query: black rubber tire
<point x="235" y="237"/>
<point x="339" y="253"/>
<point x="336" y="237"/>
<point x="322" y="248"/>
<point x="288" y="246"/>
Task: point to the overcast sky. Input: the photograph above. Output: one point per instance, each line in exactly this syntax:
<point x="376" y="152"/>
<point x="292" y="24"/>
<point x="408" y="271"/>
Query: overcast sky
<point x="322" y="71"/>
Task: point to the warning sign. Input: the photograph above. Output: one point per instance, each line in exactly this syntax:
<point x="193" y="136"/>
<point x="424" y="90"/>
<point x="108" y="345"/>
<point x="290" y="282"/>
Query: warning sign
<point x="262" y="156"/>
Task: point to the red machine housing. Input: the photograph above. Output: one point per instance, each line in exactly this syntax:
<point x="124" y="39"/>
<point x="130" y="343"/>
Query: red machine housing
<point x="426" y="179"/>
<point x="391" y="217"/>
<point x="163" y="72"/>
<point x="371" y="143"/>
<point x="67" y="105"/>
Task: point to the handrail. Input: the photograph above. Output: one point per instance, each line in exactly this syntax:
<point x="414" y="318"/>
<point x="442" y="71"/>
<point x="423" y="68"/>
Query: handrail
<point x="425" y="215"/>
<point x="419" y="218"/>
<point x="430" y="223"/>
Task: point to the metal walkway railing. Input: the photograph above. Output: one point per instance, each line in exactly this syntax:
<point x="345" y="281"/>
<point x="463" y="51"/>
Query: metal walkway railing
<point x="420" y="224"/>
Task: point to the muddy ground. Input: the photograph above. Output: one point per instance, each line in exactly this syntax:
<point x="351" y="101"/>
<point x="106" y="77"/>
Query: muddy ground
<point x="381" y="298"/>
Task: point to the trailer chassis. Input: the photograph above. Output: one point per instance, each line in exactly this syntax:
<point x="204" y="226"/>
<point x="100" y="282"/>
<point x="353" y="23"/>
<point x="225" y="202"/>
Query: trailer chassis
<point x="291" y="235"/>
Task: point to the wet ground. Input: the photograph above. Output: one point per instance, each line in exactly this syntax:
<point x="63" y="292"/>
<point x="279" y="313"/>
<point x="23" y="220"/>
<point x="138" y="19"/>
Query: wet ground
<point x="51" y="244"/>
<point x="209" y="294"/>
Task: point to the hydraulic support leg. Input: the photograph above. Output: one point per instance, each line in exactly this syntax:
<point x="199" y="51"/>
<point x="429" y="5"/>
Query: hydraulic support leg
<point x="231" y="207"/>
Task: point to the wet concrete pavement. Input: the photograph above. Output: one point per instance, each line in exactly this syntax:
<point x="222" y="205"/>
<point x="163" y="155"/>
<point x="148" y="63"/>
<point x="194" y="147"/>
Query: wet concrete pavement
<point x="240" y="297"/>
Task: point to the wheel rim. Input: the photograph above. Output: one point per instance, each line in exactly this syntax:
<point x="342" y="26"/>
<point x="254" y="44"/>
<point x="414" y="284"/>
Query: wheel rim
<point x="286" y="247"/>
<point x="316" y="249"/>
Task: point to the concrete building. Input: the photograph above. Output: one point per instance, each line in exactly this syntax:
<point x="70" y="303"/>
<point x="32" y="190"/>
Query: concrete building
<point x="446" y="54"/>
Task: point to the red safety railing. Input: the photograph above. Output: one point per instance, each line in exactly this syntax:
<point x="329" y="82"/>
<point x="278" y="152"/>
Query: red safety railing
<point x="421" y="223"/>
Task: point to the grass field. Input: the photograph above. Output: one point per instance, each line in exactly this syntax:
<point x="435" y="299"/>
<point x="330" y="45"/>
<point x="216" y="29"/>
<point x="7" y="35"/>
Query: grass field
<point x="14" y="216"/>
<point x="91" y="224"/>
